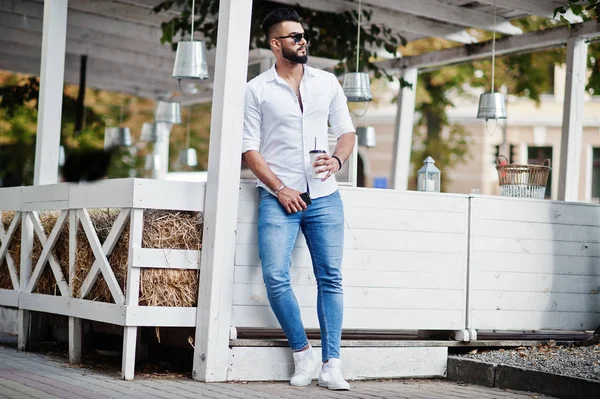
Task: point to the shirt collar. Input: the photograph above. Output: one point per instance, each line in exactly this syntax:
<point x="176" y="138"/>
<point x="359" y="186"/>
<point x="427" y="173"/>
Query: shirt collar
<point x="308" y="71"/>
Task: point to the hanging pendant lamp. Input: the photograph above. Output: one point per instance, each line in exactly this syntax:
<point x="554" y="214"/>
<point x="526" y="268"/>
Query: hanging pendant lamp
<point x="356" y="85"/>
<point x="190" y="59"/>
<point x="119" y="136"/>
<point x="168" y="111"/>
<point x="366" y="136"/>
<point x="492" y="105"/>
<point x="188" y="156"/>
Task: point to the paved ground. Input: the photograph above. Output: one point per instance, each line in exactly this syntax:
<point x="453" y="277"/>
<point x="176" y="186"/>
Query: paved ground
<point x="31" y="375"/>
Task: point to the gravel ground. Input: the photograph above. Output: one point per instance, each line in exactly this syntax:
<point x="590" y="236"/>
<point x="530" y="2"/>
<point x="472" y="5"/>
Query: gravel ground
<point x="582" y="361"/>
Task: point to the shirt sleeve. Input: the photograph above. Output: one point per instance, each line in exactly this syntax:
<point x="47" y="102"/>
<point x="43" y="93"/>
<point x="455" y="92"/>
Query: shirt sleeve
<point x="252" y="122"/>
<point x="339" y="115"/>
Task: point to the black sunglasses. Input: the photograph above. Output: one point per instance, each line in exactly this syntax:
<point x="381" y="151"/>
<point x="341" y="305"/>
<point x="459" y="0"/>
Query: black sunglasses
<point x="297" y="37"/>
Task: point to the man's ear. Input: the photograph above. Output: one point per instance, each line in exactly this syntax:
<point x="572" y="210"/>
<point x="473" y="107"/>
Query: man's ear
<point x="274" y="43"/>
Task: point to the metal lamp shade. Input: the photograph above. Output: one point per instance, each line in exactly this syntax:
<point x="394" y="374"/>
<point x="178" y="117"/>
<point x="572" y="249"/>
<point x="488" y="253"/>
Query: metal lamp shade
<point x="118" y="136"/>
<point x="188" y="157"/>
<point x="168" y="111"/>
<point x="491" y="106"/>
<point x="149" y="133"/>
<point x="366" y="136"/>
<point x="190" y="61"/>
<point x="357" y="87"/>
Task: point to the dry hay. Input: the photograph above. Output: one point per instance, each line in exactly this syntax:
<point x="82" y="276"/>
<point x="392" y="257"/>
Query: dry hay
<point x="14" y="249"/>
<point x="158" y="287"/>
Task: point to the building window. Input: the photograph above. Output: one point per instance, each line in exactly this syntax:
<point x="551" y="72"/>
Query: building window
<point x="596" y="173"/>
<point x="536" y="156"/>
<point x="511" y="156"/>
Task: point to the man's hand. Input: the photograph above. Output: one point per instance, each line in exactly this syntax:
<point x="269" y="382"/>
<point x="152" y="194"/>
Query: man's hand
<point x="326" y="163"/>
<point x="290" y="200"/>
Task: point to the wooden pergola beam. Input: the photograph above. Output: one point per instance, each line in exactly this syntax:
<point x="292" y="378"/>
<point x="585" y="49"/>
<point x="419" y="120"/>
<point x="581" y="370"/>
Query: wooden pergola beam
<point x="527" y="42"/>
<point x="450" y="13"/>
<point x="392" y="19"/>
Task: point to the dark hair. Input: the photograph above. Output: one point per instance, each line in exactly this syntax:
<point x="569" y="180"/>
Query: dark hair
<point x="277" y="16"/>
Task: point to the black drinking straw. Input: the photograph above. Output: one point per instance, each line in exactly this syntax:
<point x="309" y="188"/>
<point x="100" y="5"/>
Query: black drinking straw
<point x="315" y="143"/>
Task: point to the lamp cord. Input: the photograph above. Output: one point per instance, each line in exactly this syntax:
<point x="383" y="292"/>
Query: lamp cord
<point x="494" y="47"/>
<point x="193" y="14"/>
<point x="358" y="34"/>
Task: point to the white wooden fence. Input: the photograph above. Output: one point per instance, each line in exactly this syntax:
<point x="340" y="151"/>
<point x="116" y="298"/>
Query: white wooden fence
<point x="534" y="265"/>
<point x="132" y="196"/>
<point x="411" y="261"/>
<point x="404" y="263"/>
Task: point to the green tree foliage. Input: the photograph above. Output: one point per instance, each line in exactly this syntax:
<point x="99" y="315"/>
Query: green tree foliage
<point x="588" y="9"/>
<point x="18" y="128"/>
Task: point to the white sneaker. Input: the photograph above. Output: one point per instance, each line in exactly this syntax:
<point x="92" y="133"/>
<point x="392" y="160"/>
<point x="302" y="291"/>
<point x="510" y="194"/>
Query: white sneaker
<point x="305" y="365"/>
<point x="331" y="376"/>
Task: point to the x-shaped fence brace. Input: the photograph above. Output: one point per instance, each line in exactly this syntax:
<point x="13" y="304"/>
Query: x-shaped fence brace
<point x="5" y="240"/>
<point x="101" y="252"/>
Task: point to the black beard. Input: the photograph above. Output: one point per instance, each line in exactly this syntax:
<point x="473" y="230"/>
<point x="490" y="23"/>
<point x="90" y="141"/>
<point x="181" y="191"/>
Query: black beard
<point x="294" y="57"/>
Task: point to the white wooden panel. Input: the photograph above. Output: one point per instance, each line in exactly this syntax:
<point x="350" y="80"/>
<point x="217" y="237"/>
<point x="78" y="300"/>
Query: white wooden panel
<point x="534" y="282"/>
<point x="112" y="193"/>
<point x="264" y="363"/>
<point x="526" y="246"/>
<point x="368" y="319"/>
<point x="405" y="220"/>
<point x="405" y="258"/>
<point x="361" y="297"/>
<point x="11" y="198"/>
<point x="531" y="210"/>
<point x="166" y="194"/>
<point x="166" y="258"/>
<point x="537" y="302"/>
<point x="46" y="197"/>
<point x="373" y="239"/>
<point x="9" y="298"/>
<point x="370" y="260"/>
<point x="160" y="316"/>
<point x="249" y="191"/>
<point x="408" y="200"/>
<point x="529" y="320"/>
<point x="535" y="231"/>
<point x="67" y="306"/>
<point x="536" y="263"/>
<point x="365" y="279"/>
<point x="382" y="218"/>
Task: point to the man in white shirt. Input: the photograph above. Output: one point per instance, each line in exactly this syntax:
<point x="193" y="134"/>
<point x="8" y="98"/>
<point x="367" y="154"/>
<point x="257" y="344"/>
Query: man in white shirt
<point x="288" y="109"/>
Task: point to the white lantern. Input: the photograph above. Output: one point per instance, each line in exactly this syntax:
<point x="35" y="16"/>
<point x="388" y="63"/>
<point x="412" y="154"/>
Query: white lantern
<point x="428" y="177"/>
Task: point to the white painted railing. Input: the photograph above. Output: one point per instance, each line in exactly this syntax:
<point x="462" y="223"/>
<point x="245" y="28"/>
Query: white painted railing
<point x="411" y="261"/>
<point x="132" y="196"/>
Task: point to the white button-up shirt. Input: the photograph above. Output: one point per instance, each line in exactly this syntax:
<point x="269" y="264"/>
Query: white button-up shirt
<point x="276" y="126"/>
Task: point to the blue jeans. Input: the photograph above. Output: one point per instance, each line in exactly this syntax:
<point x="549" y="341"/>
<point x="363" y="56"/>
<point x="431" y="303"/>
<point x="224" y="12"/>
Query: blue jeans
<point x="323" y="227"/>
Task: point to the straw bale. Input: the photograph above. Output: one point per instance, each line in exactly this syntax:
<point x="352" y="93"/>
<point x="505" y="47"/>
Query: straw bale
<point x="158" y="287"/>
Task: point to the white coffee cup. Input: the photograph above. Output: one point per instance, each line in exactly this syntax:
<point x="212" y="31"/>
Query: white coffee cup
<point x="313" y="158"/>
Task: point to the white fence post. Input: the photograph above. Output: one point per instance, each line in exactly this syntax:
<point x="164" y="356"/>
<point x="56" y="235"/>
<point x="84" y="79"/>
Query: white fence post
<point x="52" y="74"/>
<point x="24" y="274"/>
<point x="572" y="127"/>
<point x="136" y="226"/>
<point x="404" y="131"/>
<point x="74" y="322"/>
<point x="215" y="297"/>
